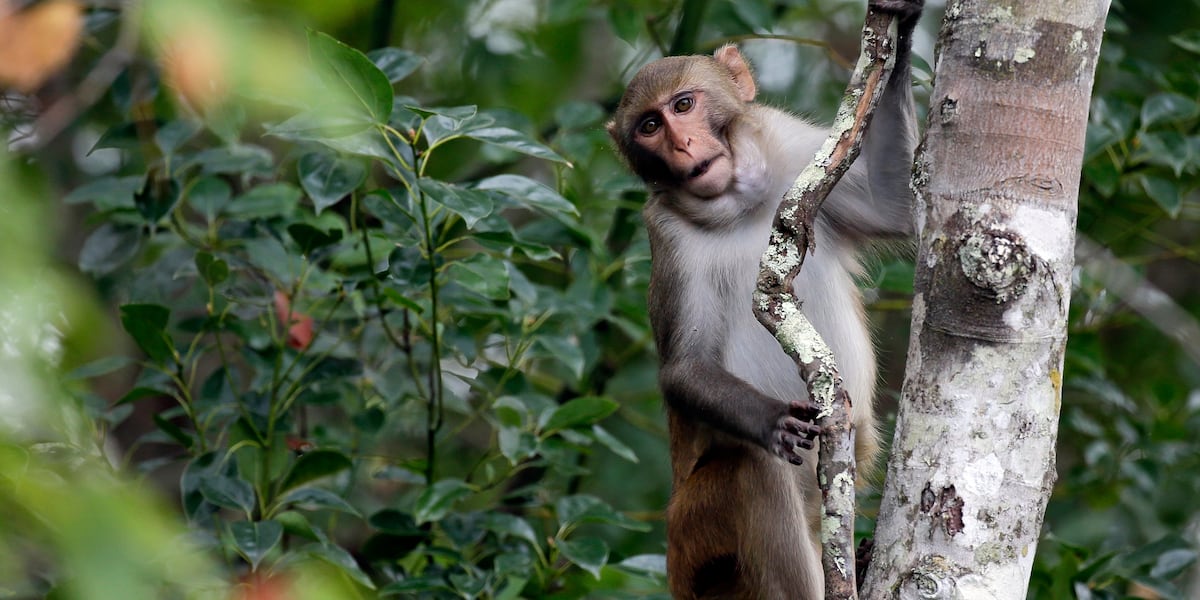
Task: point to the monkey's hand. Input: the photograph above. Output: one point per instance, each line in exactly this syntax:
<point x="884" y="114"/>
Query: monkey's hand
<point x="907" y="11"/>
<point x="795" y="430"/>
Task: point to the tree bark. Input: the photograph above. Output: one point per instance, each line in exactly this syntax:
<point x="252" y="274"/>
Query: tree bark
<point x="996" y="181"/>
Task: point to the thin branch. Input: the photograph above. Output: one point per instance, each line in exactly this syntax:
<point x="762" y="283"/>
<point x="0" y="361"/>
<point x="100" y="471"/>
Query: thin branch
<point x="778" y="310"/>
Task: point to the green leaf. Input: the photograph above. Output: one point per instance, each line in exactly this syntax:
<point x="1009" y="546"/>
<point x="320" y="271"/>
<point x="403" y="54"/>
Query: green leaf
<point x="228" y="492"/>
<point x="438" y="499"/>
<point x="579" y="115"/>
<point x="483" y="274"/>
<point x="1167" y="107"/>
<point x="344" y="67"/>
<point x="516" y="141"/>
<point x="99" y="367"/>
<point x="266" y="201"/>
<point x="581" y="508"/>
<point x="320" y="125"/>
<point x="211" y="268"/>
<point x="108" y="248"/>
<point x="107" y="193"/>
<point x="174" y="134"/>
<point x="528" y="193"/>
<point x="589" y="553"/>
<point x="254" y="539"/>
<point x="310" y="238"/>
<point x="315" y="465"/>
<point x="1173" y="563"/>
<point x="338" y="557"/>
<point x="209" y="196"/>
<point x="234" y="160"/>
<point x="468" y="204"/>
<point x="1165" y="192"/>
<point x="147" y="325"/>
<point x="174" y="431"/>
<point x="565" y="350"/>
<point x="328" y="177"/>
<point x="576" y="413"/>
<point x="1188" y="40"/>
<point x="647" y="564"/>
<point x="516" y="444"/>
<point x="395" y="63"/>
<point x="311" y="498"/>
<point x="510" y="525"/>
<point x="390" y="520"/>
<point x="612" y="443"/>
<point x="1167" y="148"/>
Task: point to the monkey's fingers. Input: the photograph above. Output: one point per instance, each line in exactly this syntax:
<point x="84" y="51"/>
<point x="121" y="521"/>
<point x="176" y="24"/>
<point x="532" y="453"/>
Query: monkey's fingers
<point x="788" y="446"/>
<point x="801" y="432"/>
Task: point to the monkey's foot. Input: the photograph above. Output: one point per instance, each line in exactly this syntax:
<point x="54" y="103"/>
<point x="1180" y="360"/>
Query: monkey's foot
<point x="862" y="558"/>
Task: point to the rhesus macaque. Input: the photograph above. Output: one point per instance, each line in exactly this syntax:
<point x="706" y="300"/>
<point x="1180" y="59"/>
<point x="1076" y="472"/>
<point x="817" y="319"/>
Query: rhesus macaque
<point x="742" y="521"/>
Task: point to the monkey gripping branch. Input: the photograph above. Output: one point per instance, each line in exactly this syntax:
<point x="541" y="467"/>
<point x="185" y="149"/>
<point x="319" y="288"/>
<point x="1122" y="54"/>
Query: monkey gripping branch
<point x="777" y="308"/>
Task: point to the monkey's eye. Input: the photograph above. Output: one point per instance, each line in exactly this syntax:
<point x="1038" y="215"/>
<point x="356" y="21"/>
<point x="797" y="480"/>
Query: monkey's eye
<point x="649" y="126"/>
<point x="684" y="104"/>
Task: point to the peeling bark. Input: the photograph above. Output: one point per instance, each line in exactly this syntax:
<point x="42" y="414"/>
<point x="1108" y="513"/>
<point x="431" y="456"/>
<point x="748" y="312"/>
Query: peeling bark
<point x="997" y="179"/>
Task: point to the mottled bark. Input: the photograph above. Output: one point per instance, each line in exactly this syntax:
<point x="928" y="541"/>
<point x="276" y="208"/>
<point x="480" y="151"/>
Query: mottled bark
<point x="997" y="178"/>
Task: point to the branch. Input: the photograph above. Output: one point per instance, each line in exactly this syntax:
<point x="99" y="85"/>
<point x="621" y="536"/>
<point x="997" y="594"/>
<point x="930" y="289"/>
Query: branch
<point x="777" y="308"/>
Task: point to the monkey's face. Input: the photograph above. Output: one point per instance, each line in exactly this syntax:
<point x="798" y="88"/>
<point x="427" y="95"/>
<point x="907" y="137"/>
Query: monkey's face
<point x="680" y="130"/>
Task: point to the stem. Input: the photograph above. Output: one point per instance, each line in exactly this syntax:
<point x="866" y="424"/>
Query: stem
<point x="689" y="27"/>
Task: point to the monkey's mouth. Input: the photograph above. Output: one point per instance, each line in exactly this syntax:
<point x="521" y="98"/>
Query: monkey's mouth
<point x="701" y="168"/>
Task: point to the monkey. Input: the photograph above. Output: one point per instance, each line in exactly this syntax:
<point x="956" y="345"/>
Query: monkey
<point x="743" y="516"/>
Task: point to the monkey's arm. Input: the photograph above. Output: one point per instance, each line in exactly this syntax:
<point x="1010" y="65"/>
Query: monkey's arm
<point x="874" y="199"/>
<point x="691" y="334"/>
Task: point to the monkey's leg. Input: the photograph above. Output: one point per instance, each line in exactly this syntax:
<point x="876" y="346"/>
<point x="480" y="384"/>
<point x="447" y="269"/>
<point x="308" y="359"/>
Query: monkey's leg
<point x="702" y="521"/>
<point x="779" y="557"/>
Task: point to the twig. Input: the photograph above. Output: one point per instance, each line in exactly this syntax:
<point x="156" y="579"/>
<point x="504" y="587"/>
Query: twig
<point x="777" y="309"/>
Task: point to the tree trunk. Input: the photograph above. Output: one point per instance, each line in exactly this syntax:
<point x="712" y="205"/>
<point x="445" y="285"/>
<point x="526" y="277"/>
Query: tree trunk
<point x="972" y="461"/>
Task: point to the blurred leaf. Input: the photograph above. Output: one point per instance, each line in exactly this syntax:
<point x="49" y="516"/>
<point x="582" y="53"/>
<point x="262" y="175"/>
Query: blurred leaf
<point x="228" y="492"/>
<point x="468" y="204"/>
<point x="174" y="134"/>
<point x="212" y="269"/>
<point x="579" y="115"/>
<point x="395" y="63"/>
<point x="612" y="443"/>
<point x="1167" y="107"/>
<point x="648" y="564"/>
<point x="328" y="178"/>
<point x="589" y="553"/>
<point x="174" y="431"/>
<point x="436" y="500"/>
<point x="338" y="557"/>
<point x="564" y="350"/>
<point x="315" y="465"/>
<point x="209" y="196"/>
<point x="1188" y="40"/>
<point x="310" y="238"/>
<point x="1166" y="148"/>
<point x="98" y="367"/>
<point x="147" y="325"/>
<point x="265" y="201"/>
<point x="516" y="444"/>
<point x="1164" y="192"/>
<point x="516" y="141"/>
<point x="342" y="66"/>
<point x="254" y="539"/>
<point x="1173" y="563"/>
<point x="511" y="525"/>
<point x="311" y="498"/>
<point x="483" y="274"/>
<point x="581" y="508"/>
<point x="527" y="192"/>
<point x="108" y="248"/>
<point x="578" y="412"/>
<point x="106" y="193"/>
<point x="233" y="160"/>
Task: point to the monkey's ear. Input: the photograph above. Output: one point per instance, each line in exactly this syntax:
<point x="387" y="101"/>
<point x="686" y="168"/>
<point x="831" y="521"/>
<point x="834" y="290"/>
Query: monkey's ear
<point x="611" y="128"/>
<point x="743" y="79"/>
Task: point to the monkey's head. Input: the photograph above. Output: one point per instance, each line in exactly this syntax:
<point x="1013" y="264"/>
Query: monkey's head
<point x="672" y="124"/>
